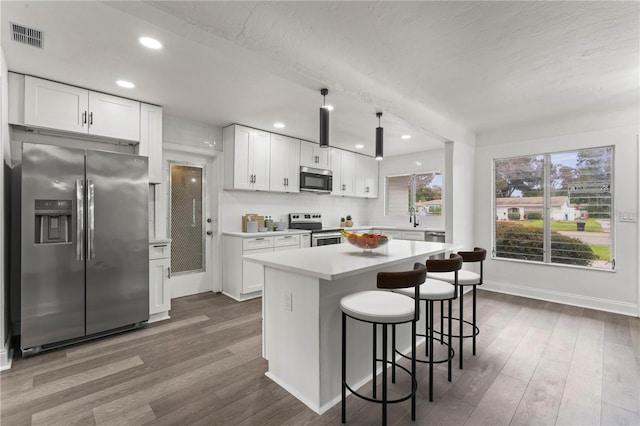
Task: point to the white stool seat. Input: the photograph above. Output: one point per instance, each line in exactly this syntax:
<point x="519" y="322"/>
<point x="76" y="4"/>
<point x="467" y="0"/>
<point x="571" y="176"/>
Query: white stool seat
<point x="464" y="277"/>
<point x="379" y="306"/>
<point x="431" y="290"/>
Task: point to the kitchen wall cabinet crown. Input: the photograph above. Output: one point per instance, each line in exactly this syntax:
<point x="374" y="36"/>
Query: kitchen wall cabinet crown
<point x="285" y="164"/>
<point x="247" y="154"/>
<point x="61" y="107"/>
<point x="343" y="167"/>
<point x="311" y="155"/>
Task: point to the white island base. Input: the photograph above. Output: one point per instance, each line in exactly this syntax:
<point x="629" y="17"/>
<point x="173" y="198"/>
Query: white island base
<point x="302" y="315"/>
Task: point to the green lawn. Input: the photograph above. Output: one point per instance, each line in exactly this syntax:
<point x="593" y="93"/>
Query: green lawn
<point x="591" y="225"/>
<point x="603" y="252"/>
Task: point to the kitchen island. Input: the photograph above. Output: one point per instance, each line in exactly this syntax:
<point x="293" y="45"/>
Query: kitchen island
<point x="301" y="326"/>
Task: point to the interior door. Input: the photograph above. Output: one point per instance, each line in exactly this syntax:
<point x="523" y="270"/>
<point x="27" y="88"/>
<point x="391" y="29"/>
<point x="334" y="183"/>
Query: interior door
<point x="192" y="226"/>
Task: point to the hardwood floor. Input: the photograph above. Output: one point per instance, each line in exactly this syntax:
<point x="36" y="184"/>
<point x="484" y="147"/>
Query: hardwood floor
<point x="537" y="363"/>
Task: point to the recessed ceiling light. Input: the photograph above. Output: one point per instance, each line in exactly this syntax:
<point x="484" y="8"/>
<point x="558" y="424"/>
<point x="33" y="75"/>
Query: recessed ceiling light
<point x="278" y="125"/>
<point x="151" y="43"/>
<point x="329" y="107"/>
<point x="125" y="84"/>
<point x="418" y="163"/>
<point x="359" y="146"/>
<point x="405" y="137"/>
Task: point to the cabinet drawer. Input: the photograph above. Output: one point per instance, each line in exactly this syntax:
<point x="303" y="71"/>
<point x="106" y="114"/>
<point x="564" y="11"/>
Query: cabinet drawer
<point x="413" y="235"/>
<point x="257" y="243"/>
<point x="393" y="234"/>
<point x="159" y="251"/>
<point x="286" y="240"/>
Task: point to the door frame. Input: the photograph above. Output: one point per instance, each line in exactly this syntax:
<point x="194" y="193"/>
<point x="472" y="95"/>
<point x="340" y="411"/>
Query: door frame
<point x="212" y="196"/>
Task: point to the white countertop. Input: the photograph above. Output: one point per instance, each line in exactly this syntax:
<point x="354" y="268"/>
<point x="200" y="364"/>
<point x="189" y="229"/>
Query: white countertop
<point x="337" y="261"/>
<point x="266" y="234"/>
<point x="392" y="228"/>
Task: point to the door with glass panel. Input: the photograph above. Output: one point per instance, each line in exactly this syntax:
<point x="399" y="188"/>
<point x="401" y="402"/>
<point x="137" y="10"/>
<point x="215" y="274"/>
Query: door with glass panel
<point x="190" y="225"/>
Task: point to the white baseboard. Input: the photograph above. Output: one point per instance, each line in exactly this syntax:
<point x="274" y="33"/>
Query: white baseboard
<point x="160" y="316"/>
<point x="599" y="304"/>
<point x="6" y="357"/>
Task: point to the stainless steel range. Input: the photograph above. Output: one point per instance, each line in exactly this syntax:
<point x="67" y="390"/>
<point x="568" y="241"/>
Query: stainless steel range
<point x="313" y="222"/>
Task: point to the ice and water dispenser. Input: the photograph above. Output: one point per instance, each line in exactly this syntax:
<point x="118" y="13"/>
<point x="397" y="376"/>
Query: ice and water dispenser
<point x="53" y="221"/>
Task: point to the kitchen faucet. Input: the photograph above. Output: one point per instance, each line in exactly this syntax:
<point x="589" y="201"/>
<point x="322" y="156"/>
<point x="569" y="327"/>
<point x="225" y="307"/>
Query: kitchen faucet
<point x="412" y="214"/>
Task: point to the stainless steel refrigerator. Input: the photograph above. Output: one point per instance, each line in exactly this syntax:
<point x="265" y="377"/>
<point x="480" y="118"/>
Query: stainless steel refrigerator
<point x="84" y="255"/>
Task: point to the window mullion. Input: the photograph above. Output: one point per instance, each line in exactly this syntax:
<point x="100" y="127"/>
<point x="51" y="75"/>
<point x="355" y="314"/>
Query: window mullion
<point x="546" y="187"/>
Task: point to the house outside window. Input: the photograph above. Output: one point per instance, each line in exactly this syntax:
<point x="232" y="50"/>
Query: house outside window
<point x="421" y="191"/>
<point x="555" y="208"/>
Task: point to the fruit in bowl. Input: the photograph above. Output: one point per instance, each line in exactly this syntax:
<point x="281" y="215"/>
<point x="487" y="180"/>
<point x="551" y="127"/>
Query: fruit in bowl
<point x="365" y="241"/>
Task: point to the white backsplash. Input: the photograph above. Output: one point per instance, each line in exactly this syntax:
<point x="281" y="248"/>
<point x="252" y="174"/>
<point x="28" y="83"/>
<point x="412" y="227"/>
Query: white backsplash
<point x="278" y="206"/>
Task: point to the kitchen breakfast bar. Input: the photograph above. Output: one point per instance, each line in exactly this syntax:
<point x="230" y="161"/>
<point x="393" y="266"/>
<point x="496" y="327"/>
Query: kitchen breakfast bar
<point x="301" y="328"/>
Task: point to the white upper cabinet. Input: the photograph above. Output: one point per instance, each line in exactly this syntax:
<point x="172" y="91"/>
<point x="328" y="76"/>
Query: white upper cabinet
<point x="311" y="155"/>
<point x="366" y="177"/>
<point x="247" y="157"/>
<point x="343" y="167"/>
<point x="285" y="164"/>
<point x="57" y="106"/>
<point x="114" y="117"/>
<point x="151" y="139"/>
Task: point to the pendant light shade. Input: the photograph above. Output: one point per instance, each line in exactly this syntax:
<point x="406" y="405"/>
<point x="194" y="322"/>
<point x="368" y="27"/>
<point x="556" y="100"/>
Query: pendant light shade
<point x="379" y="138"/>
<point x="324" y="122"/>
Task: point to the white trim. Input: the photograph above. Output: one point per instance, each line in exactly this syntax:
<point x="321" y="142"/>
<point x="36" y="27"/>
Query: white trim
<point x="6" y="355"/>
<point x="158" y="316"/>
<point x="190" y="149"/>
<point x="597" y="303"/>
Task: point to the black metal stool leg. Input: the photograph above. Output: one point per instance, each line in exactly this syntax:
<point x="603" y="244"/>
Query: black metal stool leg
<point x="430" y="342"/>
<point x="442" y="322"/>
<point x="461" y="324"/>
<point x="384" y="374"/>
<point x="449" y="330"/>
<point x="427" y="327"/>
<point x="344" y="367"/>
<point x="474" y="320"/>
<point x="413" y="369"/>
<point x="375" y="363"/>
<point x="393" y="353"/>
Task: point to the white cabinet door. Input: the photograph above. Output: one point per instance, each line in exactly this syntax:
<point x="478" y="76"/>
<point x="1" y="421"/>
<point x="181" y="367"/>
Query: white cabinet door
<point x="260" y="158"/>
<point x="366" y="178"/>
<point x="253" y="273"/>
<point x="285" y="164"/>
<point x="393" y="234"/>
<point x="151" y="139"/>
<point x="413" y="235"/>
<point x="159" y="291"/>
<point x="55" y="106"/>
<point x="305" y="240"/>
<point x="343" y="163"/>
<point x="114" y="117"/>
<point x="311" y="155"/>
<point x="242" y="173"/>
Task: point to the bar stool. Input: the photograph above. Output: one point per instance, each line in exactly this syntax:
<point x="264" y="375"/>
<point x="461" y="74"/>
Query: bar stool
<point x="436" y="290"/>
<point x="466" y="278"/>
<point x="384" y="308"/>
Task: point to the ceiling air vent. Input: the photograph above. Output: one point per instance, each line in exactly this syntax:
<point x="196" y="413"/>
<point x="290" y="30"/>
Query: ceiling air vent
<point x="26" y="35"/>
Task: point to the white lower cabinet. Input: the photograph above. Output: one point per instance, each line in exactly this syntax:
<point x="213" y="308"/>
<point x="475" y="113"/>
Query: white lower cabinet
<point x="243" y="280"/>
<point x="159" y="275"/>
<point x="413" y="235"/>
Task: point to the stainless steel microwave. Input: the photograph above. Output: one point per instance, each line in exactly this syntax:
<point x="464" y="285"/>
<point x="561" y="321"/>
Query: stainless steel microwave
<point x="316" y="180"/>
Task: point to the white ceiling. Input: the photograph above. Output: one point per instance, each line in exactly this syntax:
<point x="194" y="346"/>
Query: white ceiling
<point x="437" y="70"/>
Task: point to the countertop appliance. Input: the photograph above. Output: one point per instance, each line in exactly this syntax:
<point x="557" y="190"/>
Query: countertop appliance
<point x="83" y="247"/>
<point x="316" y="180"/>
<point x="320" y="236"/>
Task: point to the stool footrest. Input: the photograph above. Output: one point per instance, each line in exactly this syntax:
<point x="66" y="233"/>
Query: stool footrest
<point x="389" y="401"/>
<point x="426" y="361"/>
<point x="476" y="330"/>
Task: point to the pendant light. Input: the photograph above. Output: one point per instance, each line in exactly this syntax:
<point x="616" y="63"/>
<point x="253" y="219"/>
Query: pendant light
<point x="379" y="138"/>
<point x="324" y="121"/>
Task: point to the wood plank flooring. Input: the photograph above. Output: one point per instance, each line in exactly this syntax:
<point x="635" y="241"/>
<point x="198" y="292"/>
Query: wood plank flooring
<point x="537" y="363"/>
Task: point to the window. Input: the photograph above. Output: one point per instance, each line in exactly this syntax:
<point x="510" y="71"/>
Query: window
<point x="422" y="191"/>
<point x="555" y="208"/>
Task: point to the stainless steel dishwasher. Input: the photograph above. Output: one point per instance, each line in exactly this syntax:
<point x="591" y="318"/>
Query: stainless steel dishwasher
<point x="435" y="237"/>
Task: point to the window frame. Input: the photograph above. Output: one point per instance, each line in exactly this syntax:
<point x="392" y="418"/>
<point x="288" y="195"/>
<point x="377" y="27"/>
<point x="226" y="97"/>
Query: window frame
<point x="547" y="211"/>
<point x="412" y="193"/>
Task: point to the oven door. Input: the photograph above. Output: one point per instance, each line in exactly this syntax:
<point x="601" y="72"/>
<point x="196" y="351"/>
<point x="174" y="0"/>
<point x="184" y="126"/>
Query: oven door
<point x="321" y="239"/>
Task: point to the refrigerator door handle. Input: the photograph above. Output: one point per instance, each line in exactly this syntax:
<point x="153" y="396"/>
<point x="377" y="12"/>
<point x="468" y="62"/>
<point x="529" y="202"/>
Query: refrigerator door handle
<point x="79" y="220"/>
<point x="91" y="219"/>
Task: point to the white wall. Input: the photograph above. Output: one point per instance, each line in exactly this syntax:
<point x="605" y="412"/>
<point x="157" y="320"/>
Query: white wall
<point x="613" y="291"/>
<point x="5" y="150"/>
<point x="431" y="161"/>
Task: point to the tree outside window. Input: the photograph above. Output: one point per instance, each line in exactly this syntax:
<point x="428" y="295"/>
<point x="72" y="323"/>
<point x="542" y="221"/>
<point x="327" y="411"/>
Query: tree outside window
<point x="556" y="208"/>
